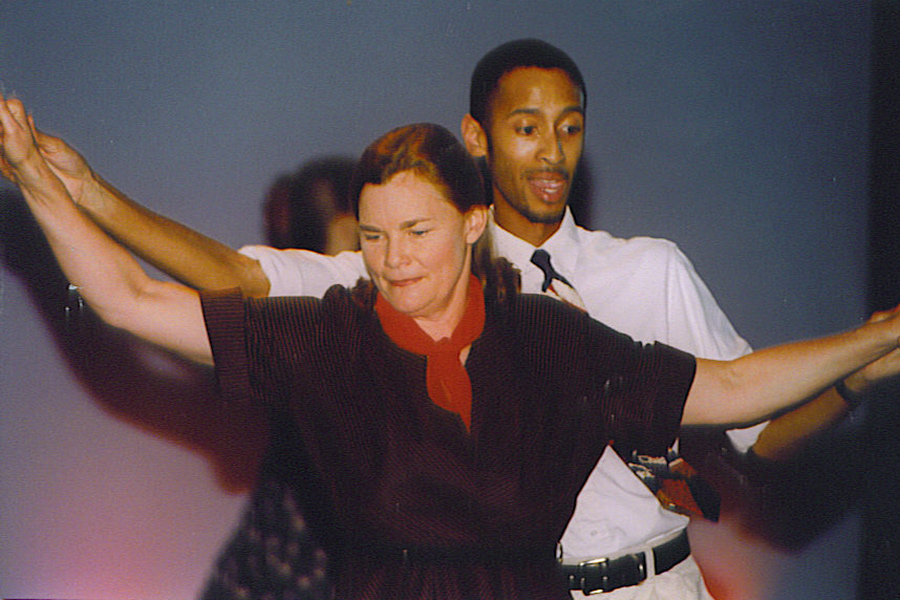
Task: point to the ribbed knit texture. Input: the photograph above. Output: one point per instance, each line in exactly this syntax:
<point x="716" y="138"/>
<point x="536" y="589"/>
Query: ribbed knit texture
<point x="478" y="512"/>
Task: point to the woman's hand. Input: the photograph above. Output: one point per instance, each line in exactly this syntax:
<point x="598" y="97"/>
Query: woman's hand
<point x="20" y="159"/>
<point x="111" y="281"/>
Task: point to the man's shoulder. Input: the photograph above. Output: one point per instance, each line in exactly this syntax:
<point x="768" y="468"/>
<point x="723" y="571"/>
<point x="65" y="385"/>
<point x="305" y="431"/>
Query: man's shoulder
<point x="603" y="238"/>
<point x="602" y="244"/>
<point x="302" y="272"/>
<point x="298" y="256"/>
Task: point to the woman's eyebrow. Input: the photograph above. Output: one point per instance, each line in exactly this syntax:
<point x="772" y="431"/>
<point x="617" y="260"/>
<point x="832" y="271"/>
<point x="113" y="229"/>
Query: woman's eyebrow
<point x="412" y="223"/>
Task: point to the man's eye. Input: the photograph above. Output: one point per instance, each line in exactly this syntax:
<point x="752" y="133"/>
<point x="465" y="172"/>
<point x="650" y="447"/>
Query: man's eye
<point x="527" y="129"/>
<point x="572" y="129"/>
<point x="418" y="232"/>
<point x="371" y="237"/>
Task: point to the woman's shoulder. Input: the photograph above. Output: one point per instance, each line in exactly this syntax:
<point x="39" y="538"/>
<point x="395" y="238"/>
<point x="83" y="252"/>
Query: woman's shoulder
<point x="538" y="315"/>
<point x="347" y="309"/>
<point x="339" y="311"/>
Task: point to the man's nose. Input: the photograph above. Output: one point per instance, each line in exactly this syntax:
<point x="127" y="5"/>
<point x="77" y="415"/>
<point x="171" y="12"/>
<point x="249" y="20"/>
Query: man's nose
<point x="551" y="149"/>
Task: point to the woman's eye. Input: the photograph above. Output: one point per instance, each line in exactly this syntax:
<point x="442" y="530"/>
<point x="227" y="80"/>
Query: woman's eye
<point x="527" y="129"/>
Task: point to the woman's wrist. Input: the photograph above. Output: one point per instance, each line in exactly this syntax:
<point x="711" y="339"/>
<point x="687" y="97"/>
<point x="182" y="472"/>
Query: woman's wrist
<point x="30" y="173"/>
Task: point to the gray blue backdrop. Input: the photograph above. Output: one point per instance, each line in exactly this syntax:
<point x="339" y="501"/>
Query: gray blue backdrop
<point x="737" y="129"/>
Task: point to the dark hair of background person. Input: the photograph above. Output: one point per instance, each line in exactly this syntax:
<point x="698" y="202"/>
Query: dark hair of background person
<point x="300" y="206"/>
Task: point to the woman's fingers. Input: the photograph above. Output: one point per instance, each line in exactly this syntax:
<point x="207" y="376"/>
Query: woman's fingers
<point x="16" y="138"/>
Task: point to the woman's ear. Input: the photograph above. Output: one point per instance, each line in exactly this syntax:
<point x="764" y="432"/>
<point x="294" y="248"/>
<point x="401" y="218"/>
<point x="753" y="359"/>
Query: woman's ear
<point x="474" y="136"/>
<point x="476" y="222"/>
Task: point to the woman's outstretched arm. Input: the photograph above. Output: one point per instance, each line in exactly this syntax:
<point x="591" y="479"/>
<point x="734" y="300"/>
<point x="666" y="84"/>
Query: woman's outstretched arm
<point x="107" y="276"/>
<point x="756" y="386"/>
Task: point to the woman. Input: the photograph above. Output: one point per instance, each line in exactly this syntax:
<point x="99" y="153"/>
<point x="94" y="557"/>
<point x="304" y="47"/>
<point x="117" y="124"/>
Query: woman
<point x="450" y="422"/>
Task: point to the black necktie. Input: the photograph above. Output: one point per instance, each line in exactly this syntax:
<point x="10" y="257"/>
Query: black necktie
<point x="555" y="284"/>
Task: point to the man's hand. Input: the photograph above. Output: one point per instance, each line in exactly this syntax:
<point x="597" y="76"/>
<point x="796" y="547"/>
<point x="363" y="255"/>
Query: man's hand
<point x="885" y="367"/>
<point x="66" y="164"/>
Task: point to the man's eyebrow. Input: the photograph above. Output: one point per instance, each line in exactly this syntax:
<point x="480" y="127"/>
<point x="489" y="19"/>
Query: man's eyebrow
<point x="365" y="227"/>
<point x="537" y="111"/>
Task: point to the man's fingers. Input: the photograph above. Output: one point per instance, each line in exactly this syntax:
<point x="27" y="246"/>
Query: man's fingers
<point x="47" y="143"/>
<point x="881" y="315"/>
<point x="32" y="127"/>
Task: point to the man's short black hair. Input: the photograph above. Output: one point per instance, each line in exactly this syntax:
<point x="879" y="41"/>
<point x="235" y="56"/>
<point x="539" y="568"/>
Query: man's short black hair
<point x="512" y="55"/>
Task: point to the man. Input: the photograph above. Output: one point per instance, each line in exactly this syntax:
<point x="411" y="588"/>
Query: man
<point x="526" y="120"/>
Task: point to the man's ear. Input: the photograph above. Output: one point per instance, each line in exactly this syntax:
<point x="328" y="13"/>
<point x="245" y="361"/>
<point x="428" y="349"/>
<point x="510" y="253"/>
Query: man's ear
<point x="474" y="136"/>
<point x="476" y="222"/>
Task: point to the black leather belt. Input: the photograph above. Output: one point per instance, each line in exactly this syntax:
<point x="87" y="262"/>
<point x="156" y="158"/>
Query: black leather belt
<point x="607" y="574"/>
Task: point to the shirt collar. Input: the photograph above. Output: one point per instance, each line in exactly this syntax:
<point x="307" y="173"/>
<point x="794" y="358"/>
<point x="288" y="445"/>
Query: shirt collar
<point x="562" y="245"/>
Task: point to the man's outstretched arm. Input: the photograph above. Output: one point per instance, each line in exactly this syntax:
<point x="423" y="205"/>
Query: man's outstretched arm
<point x="173" y="248"/>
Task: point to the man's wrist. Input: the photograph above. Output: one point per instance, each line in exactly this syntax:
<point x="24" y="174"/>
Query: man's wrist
<point x="91" y="196"/>
<point x="852" y="398"/>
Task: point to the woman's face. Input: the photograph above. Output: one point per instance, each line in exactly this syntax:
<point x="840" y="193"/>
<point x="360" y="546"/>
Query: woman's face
<point x="416" y="244"/>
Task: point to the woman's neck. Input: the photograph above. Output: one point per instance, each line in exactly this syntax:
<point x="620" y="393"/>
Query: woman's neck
<point x="443" y="323"/>
<point x="441" y="326"/>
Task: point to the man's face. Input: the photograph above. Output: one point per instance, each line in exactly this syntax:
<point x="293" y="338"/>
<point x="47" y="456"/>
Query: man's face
<point x="535" y="133"/>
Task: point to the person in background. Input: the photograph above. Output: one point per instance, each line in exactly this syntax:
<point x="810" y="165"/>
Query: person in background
<point x="528" y="103"/>
<point x="310" y="209"/>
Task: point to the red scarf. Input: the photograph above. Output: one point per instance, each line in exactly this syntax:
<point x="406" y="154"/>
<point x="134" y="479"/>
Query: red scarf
<point x="446" y="378"/>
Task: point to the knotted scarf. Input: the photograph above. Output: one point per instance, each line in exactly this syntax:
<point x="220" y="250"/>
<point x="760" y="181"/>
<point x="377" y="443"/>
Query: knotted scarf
<point x="446" y="378"/>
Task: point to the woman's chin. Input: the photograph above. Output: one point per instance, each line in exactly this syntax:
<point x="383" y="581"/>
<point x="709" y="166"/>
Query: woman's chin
<point x="405" y="304"/>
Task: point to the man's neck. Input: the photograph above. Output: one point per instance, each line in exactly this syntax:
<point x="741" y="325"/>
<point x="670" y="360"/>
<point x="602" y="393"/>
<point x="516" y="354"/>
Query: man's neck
<point x="517" y="224"/>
